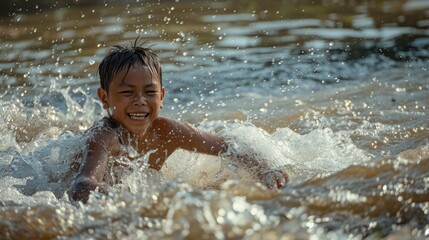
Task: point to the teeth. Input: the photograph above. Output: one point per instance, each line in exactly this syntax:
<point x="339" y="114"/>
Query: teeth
<point x="138" y="115"/>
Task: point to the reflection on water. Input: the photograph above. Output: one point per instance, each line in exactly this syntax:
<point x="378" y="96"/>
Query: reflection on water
<point x="66" y="42"/>
<point x="337" y="89"/>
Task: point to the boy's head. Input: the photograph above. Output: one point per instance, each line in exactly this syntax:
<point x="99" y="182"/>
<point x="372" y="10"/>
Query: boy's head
<point x="131" y="87"/>
<point x="125" y="56"/>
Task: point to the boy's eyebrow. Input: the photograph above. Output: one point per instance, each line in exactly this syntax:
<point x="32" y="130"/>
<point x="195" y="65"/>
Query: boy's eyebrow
<point x="147" y="85"/>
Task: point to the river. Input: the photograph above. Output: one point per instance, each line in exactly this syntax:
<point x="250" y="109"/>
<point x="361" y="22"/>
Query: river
<point x="335" y="92"/>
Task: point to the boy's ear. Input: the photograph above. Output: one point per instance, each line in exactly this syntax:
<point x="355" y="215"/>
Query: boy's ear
<point x="102" y="95"/>
<point x="162" y="95"/>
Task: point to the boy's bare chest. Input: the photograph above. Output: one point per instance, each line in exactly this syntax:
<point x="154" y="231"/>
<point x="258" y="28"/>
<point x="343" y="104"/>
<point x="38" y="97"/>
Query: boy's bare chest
<point x="152" y="154"/>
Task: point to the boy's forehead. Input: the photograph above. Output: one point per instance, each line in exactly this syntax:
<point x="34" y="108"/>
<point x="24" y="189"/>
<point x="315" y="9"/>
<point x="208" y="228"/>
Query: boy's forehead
<point x="121" y="76"/>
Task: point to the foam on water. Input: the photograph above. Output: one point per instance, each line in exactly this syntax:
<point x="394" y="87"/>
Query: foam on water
<point x="42" y="161"/>
<point x="199" y="195"/>
<point x="344" y="113"/>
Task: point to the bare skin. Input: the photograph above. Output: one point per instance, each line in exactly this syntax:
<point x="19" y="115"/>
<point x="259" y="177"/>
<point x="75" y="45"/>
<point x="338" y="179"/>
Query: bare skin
<point x="134" y="100"/>
<point x="166" y="136"/>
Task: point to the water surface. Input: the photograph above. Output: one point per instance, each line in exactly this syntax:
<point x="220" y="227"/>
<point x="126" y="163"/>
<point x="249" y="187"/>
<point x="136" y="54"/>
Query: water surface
<point x="335" y="92"/>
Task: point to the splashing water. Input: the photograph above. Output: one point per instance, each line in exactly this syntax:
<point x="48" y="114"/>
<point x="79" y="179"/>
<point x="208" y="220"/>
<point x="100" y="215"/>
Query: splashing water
<point x="334" y="93"/>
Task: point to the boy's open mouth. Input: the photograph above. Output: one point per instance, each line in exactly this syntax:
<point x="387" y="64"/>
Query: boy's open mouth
<point x="138" y="116"/>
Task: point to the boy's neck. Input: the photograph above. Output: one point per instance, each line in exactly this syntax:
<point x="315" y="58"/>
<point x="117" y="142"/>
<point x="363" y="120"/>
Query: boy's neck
<point x="137" y="141"/>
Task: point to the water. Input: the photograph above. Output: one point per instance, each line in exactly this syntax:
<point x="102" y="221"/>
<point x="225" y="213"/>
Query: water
<point x="335" y="92"/>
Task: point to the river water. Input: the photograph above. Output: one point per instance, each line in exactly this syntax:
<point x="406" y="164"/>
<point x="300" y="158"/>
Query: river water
<point x="335" y="92"/>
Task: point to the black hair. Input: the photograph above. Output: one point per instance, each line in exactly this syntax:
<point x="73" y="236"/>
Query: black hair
<point x="125" y="56"/>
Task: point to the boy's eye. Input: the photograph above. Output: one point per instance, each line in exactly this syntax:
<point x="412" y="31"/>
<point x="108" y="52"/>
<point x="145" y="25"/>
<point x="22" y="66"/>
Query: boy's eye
<point x="126" y="92"/>
<point x="152" y="92"/>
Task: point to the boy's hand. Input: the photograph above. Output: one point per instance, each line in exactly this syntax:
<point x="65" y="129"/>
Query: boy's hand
<point x="83" y="187"/>
<point x="273" y="178"/>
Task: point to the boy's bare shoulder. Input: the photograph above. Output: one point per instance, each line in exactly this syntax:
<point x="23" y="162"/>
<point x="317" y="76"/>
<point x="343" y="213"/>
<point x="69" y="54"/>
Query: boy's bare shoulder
<point x="167" y="124"/>
<point x="103" y="133"/>
<point x="163" y="124"/>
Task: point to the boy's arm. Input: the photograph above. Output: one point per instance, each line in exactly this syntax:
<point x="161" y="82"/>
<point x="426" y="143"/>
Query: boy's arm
<point x="269" y="176"/>
<point x="191" y="139"/>
<point x="94" y="164"/>
<point x="185" y="136"/>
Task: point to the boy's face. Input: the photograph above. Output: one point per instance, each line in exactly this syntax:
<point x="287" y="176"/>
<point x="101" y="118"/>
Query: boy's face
<point x="134" y="98"/>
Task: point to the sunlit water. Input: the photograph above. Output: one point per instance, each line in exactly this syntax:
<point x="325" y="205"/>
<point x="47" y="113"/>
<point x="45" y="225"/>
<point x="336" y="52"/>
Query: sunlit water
<point x="336" y="93"/>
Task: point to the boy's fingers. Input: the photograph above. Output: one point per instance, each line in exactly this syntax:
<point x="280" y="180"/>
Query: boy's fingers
<point x="269" y="181"/>
<point x="102" y="189"/>
<point x="282" y="179"/>
<point x="286" y="177"/>
<point x="275" y="178"/>
<point x="280" y="183"/>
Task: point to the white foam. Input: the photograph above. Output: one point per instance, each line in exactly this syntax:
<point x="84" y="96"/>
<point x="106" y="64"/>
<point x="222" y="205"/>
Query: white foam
<point x="319" y="152"/>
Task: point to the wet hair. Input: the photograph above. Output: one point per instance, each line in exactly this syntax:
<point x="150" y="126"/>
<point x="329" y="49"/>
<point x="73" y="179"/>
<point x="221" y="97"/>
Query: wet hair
<point x="124" y="57"/>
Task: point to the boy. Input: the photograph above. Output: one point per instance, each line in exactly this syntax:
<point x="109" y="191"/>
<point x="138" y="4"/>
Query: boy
<point x="132" y="93"/>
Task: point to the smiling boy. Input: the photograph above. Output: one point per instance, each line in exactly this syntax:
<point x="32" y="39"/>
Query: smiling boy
<point x="132" y="93"/>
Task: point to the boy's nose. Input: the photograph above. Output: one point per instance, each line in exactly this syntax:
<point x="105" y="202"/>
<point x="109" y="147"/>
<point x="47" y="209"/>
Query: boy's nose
<point x="139" y="100"/>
